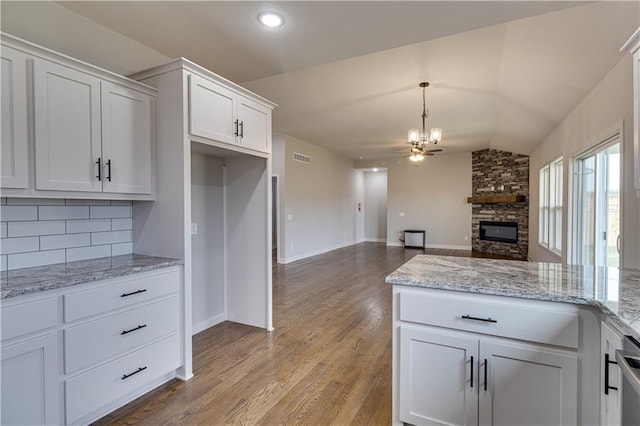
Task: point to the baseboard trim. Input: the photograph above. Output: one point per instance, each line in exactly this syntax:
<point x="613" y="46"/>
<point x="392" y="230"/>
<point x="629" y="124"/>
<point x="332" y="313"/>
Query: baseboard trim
<point x="436" y="246"/>
<point x="375" y="240"/>
<point x="210" y="322"/>
<point x="315" y="252"/>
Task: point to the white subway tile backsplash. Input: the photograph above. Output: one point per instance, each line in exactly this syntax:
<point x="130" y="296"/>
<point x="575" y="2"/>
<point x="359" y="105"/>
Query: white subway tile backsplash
<point x="89" y="225"/>
<point x="88" y="203"/>
<point x="9" y="213"/>
<point x="35" y="201"/>
<point x="38" y="232"/>
<point x="121" y="224"/>
<point x="36" y="258"/>
<point x="63" y="212"/>
<point x="84" y="253"/>
<point x="106" y="212"/>
<point x="34" y="228"/>
<point x="112" y="237"/>
<point x="122" y="248"/>
<point x="19" y="245"/>
<point x="64" y="241"/>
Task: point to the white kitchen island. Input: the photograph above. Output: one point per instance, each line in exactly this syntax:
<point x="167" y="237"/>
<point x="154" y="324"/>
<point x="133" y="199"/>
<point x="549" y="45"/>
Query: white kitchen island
<point x="480" y="341"/>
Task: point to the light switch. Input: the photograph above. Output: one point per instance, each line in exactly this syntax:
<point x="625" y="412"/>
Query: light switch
<point x="401" y="214"/>
<point x="194" y="229"/>
<point x="289" y="217"/>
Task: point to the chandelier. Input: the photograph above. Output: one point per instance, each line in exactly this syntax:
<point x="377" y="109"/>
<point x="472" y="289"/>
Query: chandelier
<point x="419" y="139"/>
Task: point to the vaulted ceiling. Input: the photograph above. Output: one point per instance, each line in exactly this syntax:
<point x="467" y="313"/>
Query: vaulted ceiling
<point x="346" y="74"/>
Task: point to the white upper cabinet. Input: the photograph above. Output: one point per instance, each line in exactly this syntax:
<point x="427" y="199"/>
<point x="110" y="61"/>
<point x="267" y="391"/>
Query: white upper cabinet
<point x="212" y="110"/>
<point x="67" y="128"/>
<point x="633" y="46"/>
<point x="220" y="114"/>
<point x="254" y="125"/>
<point x="91" y="132"/>
<point x="126" y="139"/>
<point x="14" y="170"/>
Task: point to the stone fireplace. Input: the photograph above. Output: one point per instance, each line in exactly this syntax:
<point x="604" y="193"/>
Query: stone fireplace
<point x="500" y="197"/>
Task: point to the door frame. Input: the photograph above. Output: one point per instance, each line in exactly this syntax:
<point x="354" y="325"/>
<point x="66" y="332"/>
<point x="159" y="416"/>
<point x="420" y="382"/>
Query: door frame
<point x="276" y="200"/>
<point x="603" y="141"/>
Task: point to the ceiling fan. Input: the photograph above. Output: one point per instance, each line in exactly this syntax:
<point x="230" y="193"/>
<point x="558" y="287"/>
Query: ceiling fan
<point x="419" y="151"/>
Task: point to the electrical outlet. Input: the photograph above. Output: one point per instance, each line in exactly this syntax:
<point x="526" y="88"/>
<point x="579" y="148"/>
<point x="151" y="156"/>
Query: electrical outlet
<point x="466" y="238"/>
<point x="194" y="229"/>
<point x="291" y="246"/>
<point x="289" y="217"/>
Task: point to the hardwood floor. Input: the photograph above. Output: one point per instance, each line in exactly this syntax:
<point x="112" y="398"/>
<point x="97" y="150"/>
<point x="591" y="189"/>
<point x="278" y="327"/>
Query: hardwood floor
<point x="328" y="361"/>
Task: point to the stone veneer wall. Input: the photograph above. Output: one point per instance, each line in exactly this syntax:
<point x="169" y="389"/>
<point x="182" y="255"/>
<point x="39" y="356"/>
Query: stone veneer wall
<point x="500" y="173"/>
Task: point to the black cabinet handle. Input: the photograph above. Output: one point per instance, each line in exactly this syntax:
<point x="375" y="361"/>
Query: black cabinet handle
<point x="469" y="317"/>
<point x="486" y="363"/>
<point x="236" y="123"/>
<point x="133" y="292"/>
<point x="472" y="371"/>
<point x="99" y="163"/>
<point x="109" y="170"/>
<point x="242" y="129"/>
<point x="607" y="361"/>
<point x="133" y="329"/>
<point x="126" y="376"/>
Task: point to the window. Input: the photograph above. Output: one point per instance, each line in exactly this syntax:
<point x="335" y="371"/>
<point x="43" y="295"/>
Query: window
<point x="550" y="218"/>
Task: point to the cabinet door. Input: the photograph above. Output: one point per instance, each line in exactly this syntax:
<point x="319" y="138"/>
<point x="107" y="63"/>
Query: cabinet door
<point x="67" y="128"/>
<point x="636" y="117"/>
<point x="126" y="140"/>
<point x="14" y="165"/>
<point x="438" y="378"/>
<point x="525" y="385"/>
<point x="611" y="394"/>
<point x="29" y="372"/>
<point x="255" y="125"/>
<point x="212" y="110"/>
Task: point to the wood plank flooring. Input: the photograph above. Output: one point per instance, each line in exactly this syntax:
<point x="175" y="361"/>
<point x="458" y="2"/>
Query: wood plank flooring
<point x="328" y="361"/>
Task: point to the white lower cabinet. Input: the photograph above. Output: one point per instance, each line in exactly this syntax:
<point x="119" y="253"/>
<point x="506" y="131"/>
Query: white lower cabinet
<point x="29" y="372"/>
<point x="80" y="352"/>
<point x="611" y="394"/>
<point x="88" y="392"/>
<point x="451" y="378"/>
<point x="469" y="359"/>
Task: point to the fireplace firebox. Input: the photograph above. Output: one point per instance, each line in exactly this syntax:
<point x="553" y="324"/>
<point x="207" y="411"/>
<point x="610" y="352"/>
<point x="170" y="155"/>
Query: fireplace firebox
<point x="504" y="232"/>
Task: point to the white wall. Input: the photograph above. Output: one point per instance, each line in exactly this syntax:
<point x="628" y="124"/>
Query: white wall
<point x="207" y="246"/>
<point x="433" y="196"/>
<point x="54" y="26"/>
<point x="608" y="103"/>
<point x="375" y="206"/>
<point x="320" y="198"/>
<point x="277" y="168"/>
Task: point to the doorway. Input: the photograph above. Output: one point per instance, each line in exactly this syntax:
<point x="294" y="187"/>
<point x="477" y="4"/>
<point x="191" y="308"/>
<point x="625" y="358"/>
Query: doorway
<point x="274" y="218"/>
<point x="597" y="200"/>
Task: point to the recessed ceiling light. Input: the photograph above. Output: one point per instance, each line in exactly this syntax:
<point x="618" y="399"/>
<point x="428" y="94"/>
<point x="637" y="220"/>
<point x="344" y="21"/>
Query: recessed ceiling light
<point x="271" y="19"/>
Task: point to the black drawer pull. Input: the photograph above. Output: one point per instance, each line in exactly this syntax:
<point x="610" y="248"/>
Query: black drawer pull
<point x="607" y="361"/>
<point x="469" y="317"/>
<point x="126" y="376"/>
<point x="472" y="371"/>
<point x="133" y="329"/>
<point x="99" y="163"/>
<point x="132" y="293"/>
<point x="486" y="364"/>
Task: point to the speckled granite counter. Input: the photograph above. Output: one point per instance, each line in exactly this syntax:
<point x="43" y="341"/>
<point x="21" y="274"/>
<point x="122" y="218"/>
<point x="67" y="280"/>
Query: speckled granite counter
<point x="33" y="280"/>
<point x="616" y="292"/>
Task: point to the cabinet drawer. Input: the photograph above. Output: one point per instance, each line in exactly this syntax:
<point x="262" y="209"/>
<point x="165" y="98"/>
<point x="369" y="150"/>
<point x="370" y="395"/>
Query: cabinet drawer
<point x="511" y="318"/>
<point x="103" y="338"/>
<point x="96" y="388"/>
<point x="25" y="318"/>
<point x="120" y="293"/>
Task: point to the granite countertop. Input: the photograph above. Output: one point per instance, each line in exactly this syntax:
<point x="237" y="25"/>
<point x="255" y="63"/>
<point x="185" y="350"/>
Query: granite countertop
<point x="615" y="291"/>
<point x="19" y="282"/>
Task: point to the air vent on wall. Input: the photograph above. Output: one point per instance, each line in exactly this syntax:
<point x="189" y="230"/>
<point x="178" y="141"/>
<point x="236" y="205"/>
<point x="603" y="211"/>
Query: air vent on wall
<point x="301" y="158"/>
